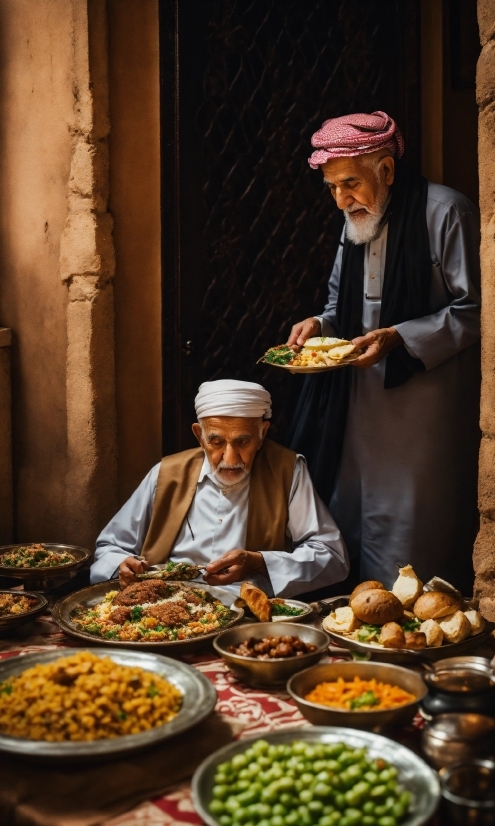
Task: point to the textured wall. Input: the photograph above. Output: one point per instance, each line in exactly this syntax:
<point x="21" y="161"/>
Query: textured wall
<point x="36" y="113"/>
<point x="484" y="555"/>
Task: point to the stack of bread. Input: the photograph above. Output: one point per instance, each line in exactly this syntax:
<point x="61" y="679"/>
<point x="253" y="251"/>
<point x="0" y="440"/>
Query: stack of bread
<point x="409" y="616"/>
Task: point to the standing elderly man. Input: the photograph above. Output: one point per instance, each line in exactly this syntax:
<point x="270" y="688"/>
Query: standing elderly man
<point x="392" y="443"/>
<point x="239" y="505"/>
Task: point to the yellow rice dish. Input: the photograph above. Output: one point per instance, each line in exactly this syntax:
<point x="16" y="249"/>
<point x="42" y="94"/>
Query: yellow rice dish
<point x="85" y="697"/>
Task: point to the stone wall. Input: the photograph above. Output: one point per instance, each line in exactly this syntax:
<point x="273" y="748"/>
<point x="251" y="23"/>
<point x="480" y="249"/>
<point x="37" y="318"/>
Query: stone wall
<point x="61" y="74"/>
<point x="484" y="554"/>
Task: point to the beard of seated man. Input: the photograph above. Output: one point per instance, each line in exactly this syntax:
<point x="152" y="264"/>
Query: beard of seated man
<point x="230" y="444"/>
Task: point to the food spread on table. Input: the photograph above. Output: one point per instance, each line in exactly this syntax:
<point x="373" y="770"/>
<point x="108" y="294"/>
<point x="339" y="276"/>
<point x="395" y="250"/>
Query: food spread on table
<point x="320" y="352"/>
<point x="307" y="783"/>
<point x="359" y="695"/>
<point x="85" y="697"/>
<point x="35" y="556"/>
<point x="272" y="648"/>
<point x="14" y="604"/>
<point x="153" y="611"/>
<point x="410" y="616"/>
<point x="263" y="608"/>
<point x="183" y="571"/>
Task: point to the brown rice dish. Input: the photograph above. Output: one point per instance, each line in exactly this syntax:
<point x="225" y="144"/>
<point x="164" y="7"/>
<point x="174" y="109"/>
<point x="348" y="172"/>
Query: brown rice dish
<point x="13" y="604"/>
<point x="35" y="556"/>
<point x="85" y="697"/>
<point x="153" y="611"/>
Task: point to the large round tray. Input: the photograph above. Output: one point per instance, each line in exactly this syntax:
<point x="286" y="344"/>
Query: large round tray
<point x="12" y="621"/>
<point x="199" y="701"/>
<point x="414" y="774"/>
<point x="397" y="655"/>
<point x="96" y="593"/>
<point x="80" y="554"/>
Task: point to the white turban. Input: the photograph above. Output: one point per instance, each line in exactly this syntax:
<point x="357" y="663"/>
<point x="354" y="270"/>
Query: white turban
<point x="228" y="397"/>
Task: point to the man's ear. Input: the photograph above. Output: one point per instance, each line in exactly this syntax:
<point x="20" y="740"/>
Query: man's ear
<point x="196" y="429"/>
<point x="264" y="430"/>
<point x="388" y="167"/>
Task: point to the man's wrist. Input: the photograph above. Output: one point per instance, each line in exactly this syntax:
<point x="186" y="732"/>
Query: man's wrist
<point x="396" y="338"/>
<point x="257" y="562"/>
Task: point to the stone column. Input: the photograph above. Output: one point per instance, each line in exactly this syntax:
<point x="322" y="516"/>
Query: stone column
<point x="6" y="496"/>
<point x="87" y="266"/>
<point x="484" y="553"/>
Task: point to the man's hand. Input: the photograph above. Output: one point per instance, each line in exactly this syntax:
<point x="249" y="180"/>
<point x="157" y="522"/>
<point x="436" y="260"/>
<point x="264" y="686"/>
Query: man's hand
<point x="376" y="345"/>
<point x="234" y="566"/>
<point x="128" y="569"/>
<point x="302" y="331"/>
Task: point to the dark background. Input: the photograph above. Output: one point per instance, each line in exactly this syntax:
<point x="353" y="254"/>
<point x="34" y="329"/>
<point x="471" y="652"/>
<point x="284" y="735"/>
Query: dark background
<point x="249" y="232"/>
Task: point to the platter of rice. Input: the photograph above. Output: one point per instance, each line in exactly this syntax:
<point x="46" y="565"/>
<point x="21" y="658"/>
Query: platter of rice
<point x="148" y="614"/>
<point x="318" y="355"/>
<point x="19" y="607"/>
<point x="80" y="703"/>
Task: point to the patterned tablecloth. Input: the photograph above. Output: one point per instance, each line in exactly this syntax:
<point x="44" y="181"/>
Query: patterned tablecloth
<point x="255" y="712"/>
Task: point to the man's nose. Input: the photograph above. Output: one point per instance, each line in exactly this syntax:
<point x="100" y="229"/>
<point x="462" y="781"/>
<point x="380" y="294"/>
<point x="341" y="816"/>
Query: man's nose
<point x="230" y="455"/>
<point x="343" y="199"/>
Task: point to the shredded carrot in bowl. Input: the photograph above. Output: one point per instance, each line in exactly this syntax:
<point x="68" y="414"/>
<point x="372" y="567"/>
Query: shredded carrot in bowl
<point x="359" y="695"/>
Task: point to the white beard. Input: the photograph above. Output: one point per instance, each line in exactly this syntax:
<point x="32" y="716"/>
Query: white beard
<point x="364" y="229"/>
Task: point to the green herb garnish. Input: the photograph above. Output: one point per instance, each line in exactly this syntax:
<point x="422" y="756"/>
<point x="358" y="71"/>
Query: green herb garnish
<point x="368" y="632"/>
<point x="369" y="698"/>
<point x="6" y="688"/>
<point x="411" y="624"/>
<point x="286" y="610"/>
<point x="136" y="613"/>
<point x="153" y="691"/>
<point x="279" y="355"/>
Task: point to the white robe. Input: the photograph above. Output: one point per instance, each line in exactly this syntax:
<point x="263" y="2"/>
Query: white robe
<point x="406" y="490"/>
<point x="216" y="523"/>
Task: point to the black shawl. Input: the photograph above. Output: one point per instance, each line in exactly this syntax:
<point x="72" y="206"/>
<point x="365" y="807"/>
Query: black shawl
<point x="318" y="426"/>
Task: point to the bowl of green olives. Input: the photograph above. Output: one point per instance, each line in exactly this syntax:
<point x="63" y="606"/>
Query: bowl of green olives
<point x="321" y="776"/>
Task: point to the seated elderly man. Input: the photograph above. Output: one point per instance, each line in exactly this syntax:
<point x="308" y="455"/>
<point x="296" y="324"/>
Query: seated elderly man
<point x="241" y="506"/>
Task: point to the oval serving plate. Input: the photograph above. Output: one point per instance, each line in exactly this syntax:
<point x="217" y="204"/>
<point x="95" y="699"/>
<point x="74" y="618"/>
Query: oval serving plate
<point x="414" y="774"/>
<point x="80" y="554"/>
<point x="199" y="699"/>
<point x="11" y="621"/>
<point x="294" y="603"/>
<point x="396" y="655"/>
<point x="313" y="369"/>
<point x="89" y="597"/>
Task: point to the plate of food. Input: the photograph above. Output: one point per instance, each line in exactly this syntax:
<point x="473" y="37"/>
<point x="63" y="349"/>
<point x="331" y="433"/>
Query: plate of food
<point x="40" y="560"/>
<point x="148" y="614"/>
<point x="264" y="609"/>
<point x="327" y="776"/>
<point x="83" y="704"/>
<point x="432" y="620"/>
<point x="19" y="607"/>
<point x="318" y="355"/>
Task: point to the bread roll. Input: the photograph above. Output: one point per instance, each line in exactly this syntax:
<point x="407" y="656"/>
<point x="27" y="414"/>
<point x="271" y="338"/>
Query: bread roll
<point x="366" y="586"/>
<point x="407" y="587"/>
<point x="434" y="605"/>
<point x="456" y="627"/>
<point x="432" y="632"/>
<point x="476" y="621"/>
<point x="257" y="601"/>
<point x="415" y="640"/>
<point x="377" y="606"/>
<point x="392" y="636"/>
<point x="341" y="621"/>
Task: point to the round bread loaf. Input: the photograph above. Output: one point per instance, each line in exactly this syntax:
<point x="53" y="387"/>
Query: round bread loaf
<point x="377" y="606"/>
<point x="434" y="605"/>
<point x="366" y="586"/>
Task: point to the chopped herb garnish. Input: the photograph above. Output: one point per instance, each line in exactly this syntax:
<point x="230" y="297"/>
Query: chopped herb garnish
<point x="153" y="691"/>
<point x="411" y="624"/>
<point x="369" y="698"/>
<point x="136" y="613"/>
<point x="286" y="610"/>
<point x="368" y="632"/>
<point x="6" y="688"/>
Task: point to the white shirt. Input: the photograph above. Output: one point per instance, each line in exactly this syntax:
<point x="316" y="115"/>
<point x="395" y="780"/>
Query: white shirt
<point x="216" y="523"/>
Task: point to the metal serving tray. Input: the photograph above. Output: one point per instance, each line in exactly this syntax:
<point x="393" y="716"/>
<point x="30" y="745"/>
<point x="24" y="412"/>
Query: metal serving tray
<point x="199" y="699"/>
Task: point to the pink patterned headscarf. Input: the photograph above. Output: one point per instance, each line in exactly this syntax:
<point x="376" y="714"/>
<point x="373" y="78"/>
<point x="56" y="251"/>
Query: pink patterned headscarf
<point x="355" y="135"/>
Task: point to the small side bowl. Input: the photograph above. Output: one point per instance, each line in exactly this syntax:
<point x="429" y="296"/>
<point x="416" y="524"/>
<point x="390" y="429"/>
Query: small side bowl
<point x="269" y="673"/>
<point x="468" y="793"/>
<point x="10" y="622"/>
<point x="301" y="684"/>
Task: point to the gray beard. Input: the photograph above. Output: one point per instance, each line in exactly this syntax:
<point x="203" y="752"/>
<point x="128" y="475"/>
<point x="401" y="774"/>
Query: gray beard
<point x="364" y="230"/>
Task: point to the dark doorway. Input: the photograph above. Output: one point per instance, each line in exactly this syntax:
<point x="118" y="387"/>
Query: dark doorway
<point x="249" y="235"/>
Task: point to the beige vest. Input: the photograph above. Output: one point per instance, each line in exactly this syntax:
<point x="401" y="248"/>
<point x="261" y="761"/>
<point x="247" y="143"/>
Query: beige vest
<point x="268" y="505"/>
